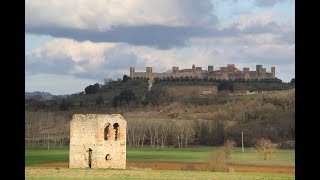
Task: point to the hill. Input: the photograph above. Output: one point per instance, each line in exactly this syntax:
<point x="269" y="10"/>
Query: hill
<point x="162" y="92"/>
<point x="156" y="118"/>
<point x="38" y="95"/>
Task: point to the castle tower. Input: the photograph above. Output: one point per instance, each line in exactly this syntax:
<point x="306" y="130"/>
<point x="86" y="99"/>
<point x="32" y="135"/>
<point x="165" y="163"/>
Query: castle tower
<point x="210" y="68"/>
<point x="273" y="72"/>
<point x="149" y="72"/>
<point x="224" y="73"/>
<point x="175" y="70"/>
<point x="132" y="70"/>
<point x="193" y="67"/>
<point x="231" y="70"/>
<point x="258" y="71"/>
<point x="263" y="73"/>
<point x="246" y="74"/>
<point x="231" y="67"/>
<point x="97" y="141"/>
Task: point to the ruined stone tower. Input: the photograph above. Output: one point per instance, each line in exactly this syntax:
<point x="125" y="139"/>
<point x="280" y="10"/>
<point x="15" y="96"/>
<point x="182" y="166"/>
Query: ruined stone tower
<point x="97" y="141"/>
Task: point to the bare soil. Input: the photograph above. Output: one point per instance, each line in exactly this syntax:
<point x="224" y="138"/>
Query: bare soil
<point x="193" y="167"/>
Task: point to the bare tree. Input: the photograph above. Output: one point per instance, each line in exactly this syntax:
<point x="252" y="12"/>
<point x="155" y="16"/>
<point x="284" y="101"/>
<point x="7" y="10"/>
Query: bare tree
<point x="149" y="125"/>
<point x="183" y="132"/>
<point x="164" y="131"/>
<point x="178" y="133"/>
<point x="216" y="161"/>
<point x="265" y="148"/>
<point x="188" y="133"/>
<point x="228" y="147"/>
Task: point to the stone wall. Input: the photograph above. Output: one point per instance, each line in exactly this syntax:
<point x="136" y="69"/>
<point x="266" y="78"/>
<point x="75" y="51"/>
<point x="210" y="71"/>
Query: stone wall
<point x="229" y="72"/>
<point x="138" y="74"/>
<point x="101" y="135"/>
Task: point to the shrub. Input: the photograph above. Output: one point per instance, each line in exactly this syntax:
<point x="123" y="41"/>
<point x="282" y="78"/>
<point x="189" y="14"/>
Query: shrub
<point x="265" y="148"/>
<point x="228" y="147"/>
<point x="216" y="161"/>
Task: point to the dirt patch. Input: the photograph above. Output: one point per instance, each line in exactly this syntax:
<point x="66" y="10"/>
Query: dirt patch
<point x="201" y="167"/>
<point x="193" y="167"/>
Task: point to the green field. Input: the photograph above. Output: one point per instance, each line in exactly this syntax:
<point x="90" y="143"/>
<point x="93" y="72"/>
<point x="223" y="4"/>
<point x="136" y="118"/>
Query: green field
<point x="190" y="155"/>
<point x="97" y="174"/>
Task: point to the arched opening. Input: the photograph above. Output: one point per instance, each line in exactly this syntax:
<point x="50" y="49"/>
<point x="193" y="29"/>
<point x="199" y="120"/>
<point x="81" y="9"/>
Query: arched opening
<point x="108" y="157"/>
<point x="116" y="130"/>
<point x="90" y="157"/>
<point x="106" y="132"/>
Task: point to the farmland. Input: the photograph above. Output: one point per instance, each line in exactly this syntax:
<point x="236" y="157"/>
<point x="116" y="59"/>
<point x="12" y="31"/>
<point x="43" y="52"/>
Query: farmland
<point x="142" y="163"/>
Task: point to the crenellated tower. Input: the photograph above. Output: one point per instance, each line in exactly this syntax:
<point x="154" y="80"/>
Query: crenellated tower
<point x="273" y="72"/>
<point x="132" y="70"/>
<point x="149" y="72"/>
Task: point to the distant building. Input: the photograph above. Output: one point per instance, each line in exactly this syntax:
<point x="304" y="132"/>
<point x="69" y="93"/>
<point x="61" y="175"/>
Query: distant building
<point x="223" y="73"/>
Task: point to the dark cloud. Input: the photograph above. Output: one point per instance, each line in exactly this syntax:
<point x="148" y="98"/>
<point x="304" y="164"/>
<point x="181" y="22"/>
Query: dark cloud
<point x="162" y="24"/>
<point x="162" y="37"/>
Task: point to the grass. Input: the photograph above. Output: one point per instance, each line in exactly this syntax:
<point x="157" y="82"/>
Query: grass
<point x="97" y="174"/>
<point x="249" y="157"/>
<point x="190" y="155"/>
<point x="39" y="156"/>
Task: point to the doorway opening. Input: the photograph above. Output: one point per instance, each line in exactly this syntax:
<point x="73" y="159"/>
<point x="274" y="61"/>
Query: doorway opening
<point x="90" y="157"/>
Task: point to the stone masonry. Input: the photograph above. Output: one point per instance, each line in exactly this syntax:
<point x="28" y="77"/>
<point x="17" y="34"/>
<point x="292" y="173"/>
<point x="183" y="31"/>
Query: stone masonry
<point x="97" y="141"/>
<point x="223" y="73"/>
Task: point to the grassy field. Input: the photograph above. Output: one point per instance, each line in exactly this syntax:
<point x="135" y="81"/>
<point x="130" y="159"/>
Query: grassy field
<point x="97" y="174"/>
<point x="39" y="156"/>
<point x="190" y="155"/>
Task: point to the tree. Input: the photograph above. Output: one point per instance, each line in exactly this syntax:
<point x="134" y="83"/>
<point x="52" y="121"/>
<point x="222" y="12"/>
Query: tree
<point x="99" y="100"/>
<point x="125" y="96"/>
<point x="293" y="80"/>
<point x="92" y="89"/>
<point x="107" y="81"/>
<point x="228" y="147"/>
<point x="216" y="161"/>
<point x="265" y="148"/>
<point x="226" y="85"/>
<point x="216" y="133"/>
<point x="125" y="78"/>
<point x="65" y="105"/>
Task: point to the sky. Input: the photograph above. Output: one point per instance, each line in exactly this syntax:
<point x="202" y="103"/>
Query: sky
<point x="72" y="44"/>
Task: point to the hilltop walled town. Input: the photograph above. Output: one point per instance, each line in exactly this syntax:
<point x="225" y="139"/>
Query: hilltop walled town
<point x="223" y="73"/>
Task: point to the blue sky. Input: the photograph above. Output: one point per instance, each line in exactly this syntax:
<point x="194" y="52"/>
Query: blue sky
<point x="72" y="44"/>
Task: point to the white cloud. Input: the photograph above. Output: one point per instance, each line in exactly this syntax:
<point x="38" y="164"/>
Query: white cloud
<point x="88" y="53"/>
<point x="87" y="59"/>
<point x="102" y="15"/>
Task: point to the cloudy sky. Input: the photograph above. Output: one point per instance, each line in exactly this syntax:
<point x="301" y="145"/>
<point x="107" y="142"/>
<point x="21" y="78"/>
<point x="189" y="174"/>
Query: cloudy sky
<point x="72" y="44"/>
